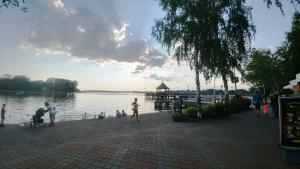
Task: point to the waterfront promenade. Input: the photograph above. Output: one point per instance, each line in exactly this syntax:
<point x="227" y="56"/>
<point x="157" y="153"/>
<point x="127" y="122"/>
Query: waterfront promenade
<point x="241" y="141"/>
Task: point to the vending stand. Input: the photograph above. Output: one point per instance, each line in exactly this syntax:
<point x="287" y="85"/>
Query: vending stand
<point x="289" y="127"/>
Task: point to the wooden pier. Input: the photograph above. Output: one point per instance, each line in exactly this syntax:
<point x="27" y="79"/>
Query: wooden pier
<point x="164" y="97"/>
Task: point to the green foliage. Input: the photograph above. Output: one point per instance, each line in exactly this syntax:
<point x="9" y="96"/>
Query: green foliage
<point x="208" y="110"/>
<point x="190" y="112"/>
<point x="14" y="3"/>
<point x="23" y="83"/>
<point x="239" y="104"/>
<point x="271" y="71"/>
<point x="263" y="70"/>
<point x="212" y="35"/>
<point x="278" y="3"/>
<point x="61" y="85"/>
<point x="290" y="51"/>
<point x="236" y="105"/>
<point x="220" y="109"/>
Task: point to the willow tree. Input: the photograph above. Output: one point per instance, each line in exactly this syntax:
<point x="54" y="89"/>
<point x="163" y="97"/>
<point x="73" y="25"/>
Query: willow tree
<point x="231" y="41"/>
<point x="187" y="30"/>
<point x="14" y="3"/>
<point x="212" y="35"/>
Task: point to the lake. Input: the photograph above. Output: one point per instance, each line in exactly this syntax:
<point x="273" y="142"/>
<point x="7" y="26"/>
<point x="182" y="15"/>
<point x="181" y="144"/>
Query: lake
<point x="21" y="107"/>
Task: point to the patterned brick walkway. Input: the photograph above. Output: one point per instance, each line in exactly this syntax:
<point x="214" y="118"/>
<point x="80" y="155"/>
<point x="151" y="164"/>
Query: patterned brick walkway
<point x="239" y="142"/>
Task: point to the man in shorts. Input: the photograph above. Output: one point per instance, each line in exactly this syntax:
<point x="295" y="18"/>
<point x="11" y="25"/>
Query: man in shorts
<point x="256" y="102"/>
<point x="135" y="109"/>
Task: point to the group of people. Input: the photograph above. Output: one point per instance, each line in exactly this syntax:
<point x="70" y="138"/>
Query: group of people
<point x="176" y="104"/>
<point x="51" y="110"/>
<point x="269" y="104"/>
<point x="121" y="114"/>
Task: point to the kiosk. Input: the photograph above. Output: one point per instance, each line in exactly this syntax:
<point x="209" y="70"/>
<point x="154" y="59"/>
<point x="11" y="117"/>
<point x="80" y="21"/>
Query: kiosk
<point x="289" y="128"/>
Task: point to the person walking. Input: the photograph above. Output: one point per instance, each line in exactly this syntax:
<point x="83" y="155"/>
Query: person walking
<point x="266" y="108"/>
<point x="3" y="111"/>
<point x="51" y="111"/>
<point x="256" y="102"/>
<point x="274" y="104"/>
<point x="135" y="109"/>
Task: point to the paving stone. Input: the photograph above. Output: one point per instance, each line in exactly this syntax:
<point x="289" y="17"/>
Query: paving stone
<point x="240" y="141"/>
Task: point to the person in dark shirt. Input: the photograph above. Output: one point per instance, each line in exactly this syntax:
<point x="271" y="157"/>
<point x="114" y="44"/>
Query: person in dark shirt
<point x="274" y="105"/>
<point x="3" y="111"/>
<point x="256" y="102"/>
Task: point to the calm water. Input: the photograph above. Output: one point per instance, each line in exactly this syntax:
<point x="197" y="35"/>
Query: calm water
<point x="20" y="108"/>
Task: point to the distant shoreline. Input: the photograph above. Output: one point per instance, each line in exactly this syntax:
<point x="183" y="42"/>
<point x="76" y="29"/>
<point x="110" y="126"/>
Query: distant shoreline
<point x="82" y="91"/>
<point x="109" y="91"/>
<point x="21" y="91"/>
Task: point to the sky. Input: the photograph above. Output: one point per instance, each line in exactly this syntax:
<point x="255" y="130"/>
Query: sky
<point x="107" y="44"/>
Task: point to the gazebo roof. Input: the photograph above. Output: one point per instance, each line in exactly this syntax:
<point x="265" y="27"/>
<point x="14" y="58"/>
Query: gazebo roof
<point x="162" y="86"/>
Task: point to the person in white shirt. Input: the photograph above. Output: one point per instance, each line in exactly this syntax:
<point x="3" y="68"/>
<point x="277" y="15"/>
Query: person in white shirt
<point x="118" y="114"/>
<point x="51" y="111"/>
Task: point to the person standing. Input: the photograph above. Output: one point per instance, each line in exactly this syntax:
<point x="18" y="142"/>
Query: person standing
<point x="135" y="109"/>
<point x="274" y="104"/>
<point x="51" y="111"/>
<point x="256" y="102"/>
<point x="3" y="111"/>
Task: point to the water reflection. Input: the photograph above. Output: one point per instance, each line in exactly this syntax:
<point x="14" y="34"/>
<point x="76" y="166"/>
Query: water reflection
<point x="21" y="107"/>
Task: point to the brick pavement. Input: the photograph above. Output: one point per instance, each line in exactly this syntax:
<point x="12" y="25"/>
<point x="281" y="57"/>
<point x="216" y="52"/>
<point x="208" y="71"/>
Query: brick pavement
<point x="241" y="141"/>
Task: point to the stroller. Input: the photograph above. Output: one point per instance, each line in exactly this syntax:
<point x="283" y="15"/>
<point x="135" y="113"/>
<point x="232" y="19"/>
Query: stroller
<point x="37" y="120"/>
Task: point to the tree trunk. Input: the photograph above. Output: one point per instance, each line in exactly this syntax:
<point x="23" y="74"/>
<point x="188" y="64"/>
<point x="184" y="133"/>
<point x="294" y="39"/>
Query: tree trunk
<point x="226" y="91"/>
<point x="198" y="85"/>
<point x="235" y="89"/>
<point x="215" y="90"/>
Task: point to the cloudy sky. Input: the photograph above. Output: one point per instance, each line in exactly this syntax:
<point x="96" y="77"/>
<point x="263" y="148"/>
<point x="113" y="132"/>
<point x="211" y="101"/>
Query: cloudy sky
<point x="107" y="44"/>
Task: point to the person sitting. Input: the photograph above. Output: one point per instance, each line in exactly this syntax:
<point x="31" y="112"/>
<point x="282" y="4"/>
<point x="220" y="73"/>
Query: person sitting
<point x="123" y="113"/>
<point x="118" y="114"/>
<point x="101" y="115"/>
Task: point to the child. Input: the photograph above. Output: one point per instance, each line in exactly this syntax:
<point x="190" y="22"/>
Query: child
<point x="266" y="108"/>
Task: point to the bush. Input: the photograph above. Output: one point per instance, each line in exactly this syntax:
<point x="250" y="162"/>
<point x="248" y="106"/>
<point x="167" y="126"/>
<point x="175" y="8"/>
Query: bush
<point x="238" y="104"/>
<point x="208" y="110"/>
<point x="220" y="109"/>
<point x="190" y="112"/>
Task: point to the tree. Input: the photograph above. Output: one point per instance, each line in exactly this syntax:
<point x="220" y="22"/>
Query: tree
<point x="61" y="85"/>
<point x="291" y="49"/>
<point x="231" y="41"/>
<point x="264" y="71"/>
<point x="179" y="30"/>
<point x="272" y="71"/>
<point x="212" y="35"/>
<point x="278" y="3"/>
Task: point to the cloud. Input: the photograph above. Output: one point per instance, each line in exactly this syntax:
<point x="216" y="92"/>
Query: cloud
<point x="139" y="69"/>
<point x="161" y="78"/>
<point x="85" y="33"/>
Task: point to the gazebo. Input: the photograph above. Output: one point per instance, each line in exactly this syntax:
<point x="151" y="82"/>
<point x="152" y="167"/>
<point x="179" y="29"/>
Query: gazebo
<point x="162" y="88"/>
<point x="162" y="101"/>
